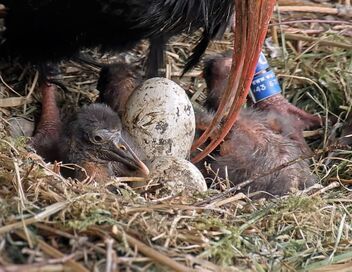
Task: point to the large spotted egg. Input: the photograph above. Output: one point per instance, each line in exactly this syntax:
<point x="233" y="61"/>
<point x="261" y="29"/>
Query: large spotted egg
<point x="160" y="117"/>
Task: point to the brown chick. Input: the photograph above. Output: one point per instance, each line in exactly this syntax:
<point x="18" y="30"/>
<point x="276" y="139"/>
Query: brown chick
<point x="254" y="147"/>
<point x="259" y="142"/>
<point x="93" y="138"/>
<point x="116" y="83"/>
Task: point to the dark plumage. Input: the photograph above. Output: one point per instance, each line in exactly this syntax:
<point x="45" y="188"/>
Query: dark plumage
<point x="50" y="30"/>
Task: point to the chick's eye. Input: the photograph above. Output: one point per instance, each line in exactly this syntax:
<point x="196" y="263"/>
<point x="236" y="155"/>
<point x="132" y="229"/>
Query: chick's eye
<point x="97" y="138"/>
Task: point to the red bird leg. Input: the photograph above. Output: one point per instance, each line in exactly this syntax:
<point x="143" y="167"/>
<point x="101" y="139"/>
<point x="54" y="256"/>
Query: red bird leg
<point x="48" y="131"/>
<point x="252" y="20"/>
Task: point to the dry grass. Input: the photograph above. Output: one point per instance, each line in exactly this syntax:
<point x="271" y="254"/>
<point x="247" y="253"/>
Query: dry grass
<point x="49" y="223"/>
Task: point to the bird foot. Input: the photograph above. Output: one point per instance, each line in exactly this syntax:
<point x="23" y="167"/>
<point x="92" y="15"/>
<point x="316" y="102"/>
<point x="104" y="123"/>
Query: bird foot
<point x="280" y="105"/>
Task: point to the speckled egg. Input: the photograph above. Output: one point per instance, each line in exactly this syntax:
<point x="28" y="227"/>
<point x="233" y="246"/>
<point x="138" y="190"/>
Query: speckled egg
<point x="175" y="176"/>
<point x="160" y="117"/>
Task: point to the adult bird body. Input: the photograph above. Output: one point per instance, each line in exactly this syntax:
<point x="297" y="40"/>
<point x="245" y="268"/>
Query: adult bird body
<point x="50" y="30"/>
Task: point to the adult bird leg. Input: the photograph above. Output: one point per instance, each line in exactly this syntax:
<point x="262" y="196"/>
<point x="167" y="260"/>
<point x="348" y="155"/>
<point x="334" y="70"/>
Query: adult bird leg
<point x="252" y="20"/>
<point x="48" y="131"/>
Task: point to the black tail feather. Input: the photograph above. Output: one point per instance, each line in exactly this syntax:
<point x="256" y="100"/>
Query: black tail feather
<point x="198" y="52"/>
<point x="175" y="16"/>
<point x="48" y="30"/>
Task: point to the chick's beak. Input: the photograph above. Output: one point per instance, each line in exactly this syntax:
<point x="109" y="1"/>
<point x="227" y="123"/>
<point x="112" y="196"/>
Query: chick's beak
<point x="127" y="156"/>
<point x="115" y="148"/>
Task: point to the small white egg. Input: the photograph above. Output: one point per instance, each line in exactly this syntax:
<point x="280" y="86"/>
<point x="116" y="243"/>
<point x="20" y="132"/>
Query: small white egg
<point x="160" y="117"/>
<point x="176" y="175"/>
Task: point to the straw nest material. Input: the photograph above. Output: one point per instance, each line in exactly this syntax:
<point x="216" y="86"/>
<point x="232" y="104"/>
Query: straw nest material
<point x="49" y="223"/>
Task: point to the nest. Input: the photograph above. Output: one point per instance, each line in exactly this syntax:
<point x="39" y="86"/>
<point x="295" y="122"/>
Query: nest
<point x="49" y="223"/>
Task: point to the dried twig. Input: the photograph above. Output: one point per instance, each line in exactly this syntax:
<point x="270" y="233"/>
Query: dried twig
<point x="317" y="9"/>
<point x="251" y="180"/>
<point x="297" y="37"/>
<point x="53" y="252"/>
<point x="48" y="211"/>
<point x="146" y="250"/>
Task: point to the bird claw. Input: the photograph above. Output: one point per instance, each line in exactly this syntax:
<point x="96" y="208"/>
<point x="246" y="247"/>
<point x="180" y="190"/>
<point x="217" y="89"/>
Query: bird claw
<point x="279" y="104"/>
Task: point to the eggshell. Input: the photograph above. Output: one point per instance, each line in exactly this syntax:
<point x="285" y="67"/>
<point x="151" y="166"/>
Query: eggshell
<point x="160" y="117"/>
<point x="176" y="175"/>
<point x="19" y="126"/>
